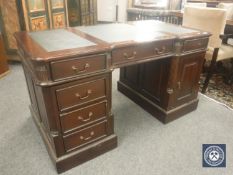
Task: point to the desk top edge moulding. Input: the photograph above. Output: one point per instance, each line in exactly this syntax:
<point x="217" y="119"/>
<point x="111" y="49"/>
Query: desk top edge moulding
<point x="69" y="77"/>
<point x="102" y="35"/>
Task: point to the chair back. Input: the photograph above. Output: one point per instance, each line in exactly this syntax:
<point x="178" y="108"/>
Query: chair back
<point x="229" y="9"/>
<point x="212" y="20"/>
<point x="193" y="4"/>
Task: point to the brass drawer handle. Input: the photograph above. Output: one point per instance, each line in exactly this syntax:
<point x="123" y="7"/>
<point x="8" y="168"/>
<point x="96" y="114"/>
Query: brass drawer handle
<point x="77" y="71"/>
<point x="199" y="44"/>
<point x="160" y="51"/>
<point x="170" y="91"/>
<point x="130" y="57"/>
<point x="88" y="138"/>
<point x="87" y="119"/>
<point x="82" y="98"/>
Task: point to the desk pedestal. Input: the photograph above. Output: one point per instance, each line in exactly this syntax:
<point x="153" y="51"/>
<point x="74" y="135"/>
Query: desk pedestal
<point x="166" y="88"/>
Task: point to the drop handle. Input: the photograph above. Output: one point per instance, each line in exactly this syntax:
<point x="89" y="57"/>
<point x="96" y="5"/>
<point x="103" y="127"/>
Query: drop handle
<point x="88" y="93"/>
<point x="77" y="70"/>
<point x="160" y="51"/>
<point x="92" y="133"/>
<point x="130" y="57"/>
<point x="87" y="119"/>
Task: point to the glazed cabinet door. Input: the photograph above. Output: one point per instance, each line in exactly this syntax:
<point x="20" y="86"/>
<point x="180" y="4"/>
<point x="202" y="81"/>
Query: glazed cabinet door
<point x="74" y="15"/>
<point x="82" y="12"/>
<point x="188" y="76"/>
<point x="88" y="12"/>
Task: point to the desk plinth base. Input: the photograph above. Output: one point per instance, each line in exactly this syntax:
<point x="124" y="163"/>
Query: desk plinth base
<point x="159" y="113"/>
<point x="78" y="157"/>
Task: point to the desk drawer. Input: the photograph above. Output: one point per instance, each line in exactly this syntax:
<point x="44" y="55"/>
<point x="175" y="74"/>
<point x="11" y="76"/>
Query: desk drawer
<point x="85" y="136"/>
<point x="78" y="66"/>
<point x="86" y="115"/>
<point x="131" y="53"/>
<point x="71" y="96"/>
<point x="195" y="44"/>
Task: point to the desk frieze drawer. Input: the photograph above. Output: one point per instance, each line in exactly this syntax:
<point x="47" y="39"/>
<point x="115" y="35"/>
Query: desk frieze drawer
<point x="83" y="116"/>
<point x="85" y="136"/>
<point x="78" y="66"/>
<point x="78" y="94"/>
<point x="138" y="52"/>
<point x="195" y="44"/>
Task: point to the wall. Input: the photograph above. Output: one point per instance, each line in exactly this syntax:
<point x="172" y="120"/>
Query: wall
<point x="107" y="10"/>
<point x="122" y="15"/>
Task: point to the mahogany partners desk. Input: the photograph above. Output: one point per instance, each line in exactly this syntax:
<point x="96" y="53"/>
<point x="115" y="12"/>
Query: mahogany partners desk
<point x="68" y="73"/>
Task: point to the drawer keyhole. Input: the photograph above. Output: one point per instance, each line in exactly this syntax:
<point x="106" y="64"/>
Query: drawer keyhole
<point x="77" y="70"/>
<point x="130" y="57"/>
<point x="179" y="85"/>
<point x="87" y="119"/>
<point x="84" y="97"/>
<point x="92" y="133"/>
<point x="160" y="51"/>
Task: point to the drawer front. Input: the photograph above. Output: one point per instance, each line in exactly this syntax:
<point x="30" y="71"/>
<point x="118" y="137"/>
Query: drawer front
<point x="195" y="44"/>
<point x="78" y="66"/>
<point x="83" y="116"/>
<point x="81" y="93"/>
<point x="127" y="54"/>
<point x="85" y="136"/>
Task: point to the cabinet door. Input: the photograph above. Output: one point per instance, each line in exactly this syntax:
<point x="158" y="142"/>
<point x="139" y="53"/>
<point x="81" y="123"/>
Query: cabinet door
<point x="149" y="79"/>
<point x="58" y="13"/>
<point x="188" y="77"/>
<point x="37" y="13"/>
<point x="154" y="81"/>
<point x="130" y="75"/>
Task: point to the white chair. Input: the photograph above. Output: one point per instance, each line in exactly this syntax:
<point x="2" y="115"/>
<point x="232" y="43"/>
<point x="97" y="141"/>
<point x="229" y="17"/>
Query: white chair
<point x="228" y="7"/>
<point x="212" y="20"/>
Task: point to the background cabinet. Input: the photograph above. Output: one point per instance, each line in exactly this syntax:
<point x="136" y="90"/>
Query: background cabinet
<point x="10" y="24"/>
<point x="36" y="15"/>
<point x="44" y="14"/>
<point x="82" y="12"/>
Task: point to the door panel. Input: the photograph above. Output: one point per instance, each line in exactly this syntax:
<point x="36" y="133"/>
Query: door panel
<point x="38" y="15"/>
<point x="154" y="80"/>
<point x="130" y="75"/>
<point x="58" y="13"/>
<point x="188" y="77"/>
